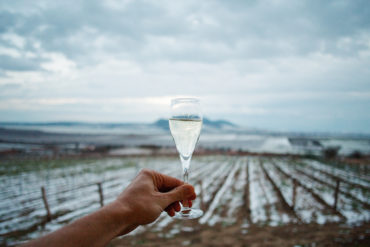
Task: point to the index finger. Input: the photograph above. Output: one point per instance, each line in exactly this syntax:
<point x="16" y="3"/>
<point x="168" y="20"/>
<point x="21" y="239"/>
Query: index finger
<point x="165" y="183"/>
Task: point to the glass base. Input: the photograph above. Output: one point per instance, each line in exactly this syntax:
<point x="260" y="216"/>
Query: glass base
<point x="188" y="213"/>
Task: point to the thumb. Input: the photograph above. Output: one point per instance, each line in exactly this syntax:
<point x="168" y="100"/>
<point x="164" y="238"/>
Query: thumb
<point x="182" y="192"/>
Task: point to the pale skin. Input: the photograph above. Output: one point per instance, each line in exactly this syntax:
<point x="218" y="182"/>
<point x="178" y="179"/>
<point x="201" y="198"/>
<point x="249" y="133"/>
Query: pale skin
<point x="141" y="203"/>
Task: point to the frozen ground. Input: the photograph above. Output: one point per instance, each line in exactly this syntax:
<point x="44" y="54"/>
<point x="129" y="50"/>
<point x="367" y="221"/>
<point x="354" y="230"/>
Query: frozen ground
<point x="246" y="191"/>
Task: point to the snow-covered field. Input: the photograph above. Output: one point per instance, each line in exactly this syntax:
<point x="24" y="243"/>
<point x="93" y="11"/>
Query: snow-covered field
<point x="248" y="190"/>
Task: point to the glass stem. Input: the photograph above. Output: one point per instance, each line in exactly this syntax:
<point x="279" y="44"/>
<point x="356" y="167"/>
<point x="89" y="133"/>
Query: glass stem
<point x="186" y="175"/>
<point x="185" y="161"/>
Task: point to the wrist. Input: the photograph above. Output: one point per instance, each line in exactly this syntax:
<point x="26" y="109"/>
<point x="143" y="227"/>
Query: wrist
<point x="121" y="218"/>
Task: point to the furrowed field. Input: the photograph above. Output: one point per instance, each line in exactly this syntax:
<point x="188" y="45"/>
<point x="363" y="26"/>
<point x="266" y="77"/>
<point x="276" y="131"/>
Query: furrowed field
<point x="246" y="199"/>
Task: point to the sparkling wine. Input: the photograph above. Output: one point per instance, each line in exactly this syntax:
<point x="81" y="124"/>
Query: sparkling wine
<point x="186" y="133"/>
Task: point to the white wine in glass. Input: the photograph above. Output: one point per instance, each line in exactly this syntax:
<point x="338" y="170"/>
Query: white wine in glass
<point x="185" y="125"/>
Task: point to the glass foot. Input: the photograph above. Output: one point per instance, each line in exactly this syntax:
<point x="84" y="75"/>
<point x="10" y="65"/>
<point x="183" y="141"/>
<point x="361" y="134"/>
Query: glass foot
<point x="188" y="213"/>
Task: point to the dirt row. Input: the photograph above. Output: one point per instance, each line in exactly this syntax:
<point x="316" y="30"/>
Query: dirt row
<point x="288" y="235"/>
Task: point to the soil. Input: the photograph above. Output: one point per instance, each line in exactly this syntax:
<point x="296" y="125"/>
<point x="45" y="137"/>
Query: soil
<point x="256" y="236"/>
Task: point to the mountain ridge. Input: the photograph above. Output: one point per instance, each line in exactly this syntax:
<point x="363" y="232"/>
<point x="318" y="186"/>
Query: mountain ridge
<point x="211" y="126"/>
<point x="159" y="123"/>
<point x="218" y="124"/>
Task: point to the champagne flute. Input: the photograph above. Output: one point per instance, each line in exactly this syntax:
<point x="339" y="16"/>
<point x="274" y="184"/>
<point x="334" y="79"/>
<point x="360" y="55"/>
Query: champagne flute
<point x="185" y="125"/>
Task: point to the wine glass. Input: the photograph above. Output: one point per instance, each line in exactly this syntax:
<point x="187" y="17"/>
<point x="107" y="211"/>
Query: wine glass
<point x="185" y="125"/>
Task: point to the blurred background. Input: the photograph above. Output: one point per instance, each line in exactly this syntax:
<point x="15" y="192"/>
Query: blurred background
<point x="85" y="89"/>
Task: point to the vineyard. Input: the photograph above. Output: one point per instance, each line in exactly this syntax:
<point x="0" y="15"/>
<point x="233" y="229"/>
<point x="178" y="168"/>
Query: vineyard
<point x="237" y="191"/>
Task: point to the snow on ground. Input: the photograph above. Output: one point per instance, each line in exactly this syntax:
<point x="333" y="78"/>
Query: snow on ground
<point x="219" y="181"/>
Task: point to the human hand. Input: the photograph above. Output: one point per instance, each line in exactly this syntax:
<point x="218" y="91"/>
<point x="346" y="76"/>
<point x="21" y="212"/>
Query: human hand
<point x="148" y="195"/>
<point x="151" y="193"/>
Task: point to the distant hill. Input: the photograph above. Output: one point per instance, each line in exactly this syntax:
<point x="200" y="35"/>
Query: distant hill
<point x="218" y="124"/>
<point x="161" y="123"/>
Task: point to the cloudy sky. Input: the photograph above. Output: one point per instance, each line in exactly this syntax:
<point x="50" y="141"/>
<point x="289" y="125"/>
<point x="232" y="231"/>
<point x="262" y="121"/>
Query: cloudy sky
<point x="279" y="65"/>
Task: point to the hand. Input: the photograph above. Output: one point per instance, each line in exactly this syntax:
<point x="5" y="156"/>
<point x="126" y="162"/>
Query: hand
<point x="151" y="193"/>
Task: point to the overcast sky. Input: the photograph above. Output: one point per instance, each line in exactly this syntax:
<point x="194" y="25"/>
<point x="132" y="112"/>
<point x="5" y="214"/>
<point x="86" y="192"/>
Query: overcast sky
<point x="279" y="65"/>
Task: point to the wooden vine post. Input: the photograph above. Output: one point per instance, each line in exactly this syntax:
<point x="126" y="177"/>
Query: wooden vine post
<point x="336" y="194"/>
<point x="294" y="193"/>
<point x="44" y="199"/>
<point x="101" y="197"/>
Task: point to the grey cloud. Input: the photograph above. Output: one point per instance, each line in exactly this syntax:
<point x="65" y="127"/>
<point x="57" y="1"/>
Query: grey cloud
<point x="18" y="64"/>
<point x="62" y="21"/>
<point x="253" y="29"/>
<point x="7" y="20"/>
